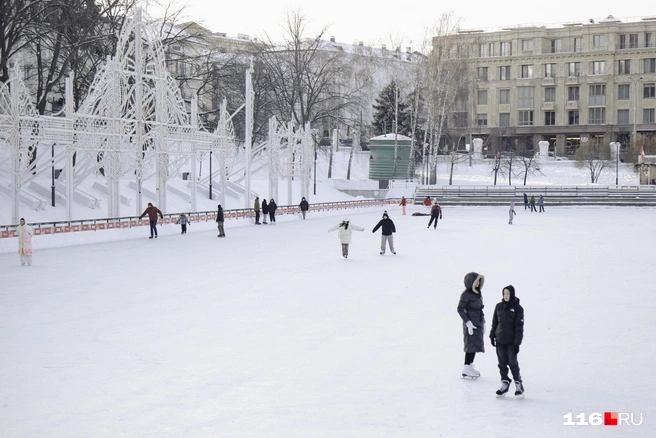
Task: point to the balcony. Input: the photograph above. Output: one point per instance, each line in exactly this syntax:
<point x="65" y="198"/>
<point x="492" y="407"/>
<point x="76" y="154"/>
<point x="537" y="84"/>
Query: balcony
<point x="572" y="105"/>
<point x="572" y="80"/>
<point x="548" y="81"/>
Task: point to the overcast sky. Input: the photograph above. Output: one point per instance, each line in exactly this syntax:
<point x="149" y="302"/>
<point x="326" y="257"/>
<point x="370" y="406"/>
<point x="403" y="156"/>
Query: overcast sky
<point x="397" y="22"/>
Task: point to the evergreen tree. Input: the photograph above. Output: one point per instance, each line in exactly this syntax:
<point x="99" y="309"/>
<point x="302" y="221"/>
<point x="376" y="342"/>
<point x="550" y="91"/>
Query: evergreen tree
<point x="385" y="112"/>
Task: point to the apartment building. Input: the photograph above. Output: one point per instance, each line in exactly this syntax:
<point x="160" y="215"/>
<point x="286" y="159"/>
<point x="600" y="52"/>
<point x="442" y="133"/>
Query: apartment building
<point x="577" y="82"/>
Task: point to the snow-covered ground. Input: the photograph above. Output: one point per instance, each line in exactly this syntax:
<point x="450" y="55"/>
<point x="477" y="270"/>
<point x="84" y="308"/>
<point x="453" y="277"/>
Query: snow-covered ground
<point x="271" y="333"/>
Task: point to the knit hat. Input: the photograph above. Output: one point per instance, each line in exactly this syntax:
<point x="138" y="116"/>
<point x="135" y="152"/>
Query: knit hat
<point x="385" y="215"/>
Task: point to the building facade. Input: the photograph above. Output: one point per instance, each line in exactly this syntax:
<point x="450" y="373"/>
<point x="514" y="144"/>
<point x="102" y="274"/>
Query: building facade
<point x="578" y="82"/>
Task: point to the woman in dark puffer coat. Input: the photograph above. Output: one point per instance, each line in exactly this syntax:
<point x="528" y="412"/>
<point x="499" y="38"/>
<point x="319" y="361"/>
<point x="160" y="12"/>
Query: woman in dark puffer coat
<point x="470" y="309"/>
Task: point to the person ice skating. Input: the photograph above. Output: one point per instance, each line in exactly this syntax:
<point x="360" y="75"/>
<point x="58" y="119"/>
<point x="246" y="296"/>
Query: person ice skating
<point x="470" y="309"/>
<point x="219" y="221"/>
<point x="25" y="233"/>
<point x="506" y="335"/>
<point x="511" y="213"/>
<point x="525" y="201"/>
<point x="386" y="237"/>
<point x="304" y="206"/>
<point x="272" y="211"/>
<point x="265" y="211"/>
<point x="152" y="213"/>
<point x="541" y="203"/>
<point x="427" y="204"/>
<point x="256" y="209"/>
<point x="403" y="203"/>
<point x="436" y="214"/>
<point x="183" y="221"/>
<point x="345" y="231"/>
<point x="531" y="204"/>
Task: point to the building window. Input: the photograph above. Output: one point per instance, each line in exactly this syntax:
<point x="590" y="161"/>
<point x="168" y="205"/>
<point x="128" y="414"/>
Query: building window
<point x="649" y="40"/>
<point x="597" y="95"/>
<point x="650" y="65"/>
<point x="573" y="68"/>
<point x="622" y="41"/>
<point x="573" y="93"/>
<point x="550" y="70"/>
<point x="504" y="96"/>
<point x="649" y="91"/>
<point x="525" y="118"/>
<point x="490" y="51"/>
<point x="623" y="117"/>
<point x="556" y="46"/>
<point x="549" y="118"/>
<point x="504" y="120"/>
<point x="506" y="48"/>
<point x="597" y="116"/>
<point x="482" y="73"/>
<point x="598" y="42"/>
<point x="482" y="50"/>
<point x="623" y="92"/>
<point x="550" y="94"/>
<point x="482" y="97"/>
<point x="504" y="73"/>
<point x="460" y="120"/>
<point x="578" y="44"/>
<point x="598" y="67"/>
<point x="481" y="120"/>
<point x="624" y="67"/>
<point x="526" y="71"/>
<point x="527" y="45"/>
<point x="633" y="41"/>
<point x="648" y="115"/>
<point x="572" y="117"/>
<point x="525" y="97"/>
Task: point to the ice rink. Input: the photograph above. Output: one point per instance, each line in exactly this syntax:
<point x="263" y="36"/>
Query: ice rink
<point x="271" y="333"/>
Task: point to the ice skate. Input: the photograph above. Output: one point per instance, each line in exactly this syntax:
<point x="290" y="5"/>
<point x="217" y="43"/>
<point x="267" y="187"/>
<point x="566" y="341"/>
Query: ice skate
<point x="382" y="253"/>
<point x="519" y="389"/>
<point x="468" y="372"/>
<point x="505" y="386"/>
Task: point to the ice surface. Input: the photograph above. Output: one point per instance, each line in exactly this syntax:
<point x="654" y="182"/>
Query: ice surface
<point x="271" y="333"/>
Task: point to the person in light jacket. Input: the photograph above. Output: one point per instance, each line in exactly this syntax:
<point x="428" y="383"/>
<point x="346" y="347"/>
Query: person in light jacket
<point x="25" y="233"/>
<point x="183" y="221"/>
<point x="345" y="231"/>
<point x="386" y="237"/>
<point x="511" y="213"/>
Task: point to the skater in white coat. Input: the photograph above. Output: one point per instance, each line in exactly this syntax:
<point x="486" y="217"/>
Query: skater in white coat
<point x="511" y="213"/>
<point x="25" y="233"/>
<point x="345" y="231"/>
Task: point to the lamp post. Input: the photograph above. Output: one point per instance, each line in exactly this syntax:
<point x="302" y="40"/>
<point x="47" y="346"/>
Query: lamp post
<point x="635" y="103"/>
<point x="617" y="162"/>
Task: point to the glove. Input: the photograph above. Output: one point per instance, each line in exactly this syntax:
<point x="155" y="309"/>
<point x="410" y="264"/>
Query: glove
<point x="494" y="343"/>
<point x="516" y="349"/>
<point x="470" y="327"/>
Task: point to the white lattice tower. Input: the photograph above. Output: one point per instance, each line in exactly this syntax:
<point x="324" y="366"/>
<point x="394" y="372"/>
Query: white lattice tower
<point x="135" y="114"/>
<point x="19" y="134"/>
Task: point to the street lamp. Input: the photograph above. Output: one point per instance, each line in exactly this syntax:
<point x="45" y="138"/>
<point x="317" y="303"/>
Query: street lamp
<point x="635" y="102"/>
<point x="617" y="162"/>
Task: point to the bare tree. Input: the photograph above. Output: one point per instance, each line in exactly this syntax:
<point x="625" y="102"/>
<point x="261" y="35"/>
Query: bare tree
<point x="496" y="166"/>
<point x="446" y="75"/>
<point x="528" y="166"/>
<point x="595" y="157"/>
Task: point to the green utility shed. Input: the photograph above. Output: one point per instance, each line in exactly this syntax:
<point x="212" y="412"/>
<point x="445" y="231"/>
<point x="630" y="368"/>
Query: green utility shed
<point x="381" y="161"/>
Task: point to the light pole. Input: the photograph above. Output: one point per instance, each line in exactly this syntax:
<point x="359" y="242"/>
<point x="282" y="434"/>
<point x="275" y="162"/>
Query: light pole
<point x="617" y="162"/>
<point x="635" y="103"/>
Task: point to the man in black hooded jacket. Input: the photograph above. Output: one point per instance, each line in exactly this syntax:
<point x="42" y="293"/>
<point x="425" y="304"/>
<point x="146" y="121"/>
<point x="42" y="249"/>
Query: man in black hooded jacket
<point x="386" y="237"/>
<point x="506" y="335"/>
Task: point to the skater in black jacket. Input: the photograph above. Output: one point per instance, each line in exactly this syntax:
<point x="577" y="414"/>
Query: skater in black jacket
<point x="219" y="221"/>
<point x="388" y="229"/>
<point x="470" y="309"/>
<point x="506" y="335"/>
<point x="265" y="211"/>
<point x="272" y="211"/>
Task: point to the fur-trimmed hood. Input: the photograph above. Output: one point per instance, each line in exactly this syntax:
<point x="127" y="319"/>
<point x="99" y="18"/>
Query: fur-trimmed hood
<point x="474" y="282"/>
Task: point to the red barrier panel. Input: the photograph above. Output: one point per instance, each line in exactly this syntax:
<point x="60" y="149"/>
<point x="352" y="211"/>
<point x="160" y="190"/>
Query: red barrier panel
<point x="93" y="227"/>
<point x="5" y="233"/>
<point x="111" y="225"/>
<point x="202" y="218"/>
<point x="101" y="226"/>
<point x="43" y="231"/>
<point x="125" y="224"/>
<point x="59" y="229"/>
